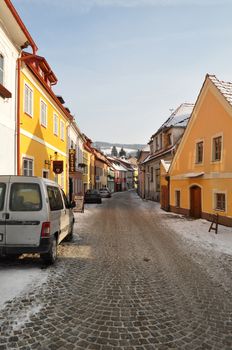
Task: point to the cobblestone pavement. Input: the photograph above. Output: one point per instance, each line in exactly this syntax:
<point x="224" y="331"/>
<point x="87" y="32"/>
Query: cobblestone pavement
<point x="125" y="282"/>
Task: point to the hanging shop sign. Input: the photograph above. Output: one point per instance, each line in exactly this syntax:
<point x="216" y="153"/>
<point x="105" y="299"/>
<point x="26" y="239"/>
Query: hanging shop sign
<point x="58" y="166"/>
<point x="72" y="160"/>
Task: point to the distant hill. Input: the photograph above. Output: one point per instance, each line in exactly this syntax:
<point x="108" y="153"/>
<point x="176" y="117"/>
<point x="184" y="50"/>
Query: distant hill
<point x="130" y="149"/>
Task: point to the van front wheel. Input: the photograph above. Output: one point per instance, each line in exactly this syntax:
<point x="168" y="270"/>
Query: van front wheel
<point x="51" y="255"/>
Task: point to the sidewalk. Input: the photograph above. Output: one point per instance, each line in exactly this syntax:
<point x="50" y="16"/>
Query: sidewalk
<point x="196" y="230"/>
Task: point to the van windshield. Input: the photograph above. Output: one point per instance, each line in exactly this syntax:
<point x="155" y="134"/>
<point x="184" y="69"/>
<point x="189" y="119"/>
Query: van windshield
<point x="2" y="195"/>
<point x="25" y="197"/>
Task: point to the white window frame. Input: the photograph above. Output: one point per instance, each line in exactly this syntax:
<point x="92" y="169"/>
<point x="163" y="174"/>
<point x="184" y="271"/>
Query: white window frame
<point x="196" y="160"/>
<point x="62" y="128"/>
<point x="62" y="180"/>
<point x="45" y="171"/>
<point x="213" y="160"/>
<point x="28" y="107"/>
<point x="55" y="124"/>
<point x="29" y="159"/>
<point x="43" y="122"/>
<point x="215" y="192"/>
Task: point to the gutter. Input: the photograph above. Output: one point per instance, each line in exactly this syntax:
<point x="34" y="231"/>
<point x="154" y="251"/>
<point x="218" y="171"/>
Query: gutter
<point x="22" y="26"/>
<point x="18" y="116"/>
<point x="19" y="61"/>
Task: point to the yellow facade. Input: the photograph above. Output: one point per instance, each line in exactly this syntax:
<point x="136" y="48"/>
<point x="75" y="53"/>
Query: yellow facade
<point x="86" y="170"/>
<point x="197" y="186"/>
<point x="41" y="145"/>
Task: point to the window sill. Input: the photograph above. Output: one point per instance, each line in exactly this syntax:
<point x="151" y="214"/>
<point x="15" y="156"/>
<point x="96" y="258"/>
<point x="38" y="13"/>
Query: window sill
<point x="29" y="115"/>
<point x="215" y="161"/>
<point x="4" y="92"/>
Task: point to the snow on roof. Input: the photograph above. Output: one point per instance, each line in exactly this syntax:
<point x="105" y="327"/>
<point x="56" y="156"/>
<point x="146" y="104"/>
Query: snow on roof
<point x="166" y="164"/>
<point x="119" y="167"/>
<point x="224" y="87"/>
<point x="190" y="175"/>
<point x="146" y="149"/>
<point x="179" y="117"/>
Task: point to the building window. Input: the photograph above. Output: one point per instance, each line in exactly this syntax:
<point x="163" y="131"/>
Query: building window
<point x="220" y="201"/>
<point x="45" y="174"/>
<point x="56" y="178"/>
<point x="161" y="141"/>
<point x="1" y="69"/>
<point x="199" y="152"/>
<point x="157" y="179"/>
<point x="217" y="148"/>
<point x="62" y="130"/>
<point x="169" y="139"/>
<point x="28" y="98"/>
<point x="177" y="199"/>
<point x="55" y="124"/>
<point x="156" y="143"/>
<point x="62" y="180"/>
<point x="43" y="113"/>
<point x="151" y="176"/>
<point x="27" y="167"/>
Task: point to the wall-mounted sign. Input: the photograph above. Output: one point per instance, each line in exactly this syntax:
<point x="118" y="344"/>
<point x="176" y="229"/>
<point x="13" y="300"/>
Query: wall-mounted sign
<point x="58" y="166"/>
<point x="72" y="160"/>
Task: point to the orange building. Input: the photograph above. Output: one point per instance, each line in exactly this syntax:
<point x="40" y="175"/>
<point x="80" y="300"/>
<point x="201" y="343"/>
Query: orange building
<point x="200" y="176"/>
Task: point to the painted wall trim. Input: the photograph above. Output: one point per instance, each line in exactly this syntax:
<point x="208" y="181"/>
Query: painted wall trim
<point x="42" y="142"/>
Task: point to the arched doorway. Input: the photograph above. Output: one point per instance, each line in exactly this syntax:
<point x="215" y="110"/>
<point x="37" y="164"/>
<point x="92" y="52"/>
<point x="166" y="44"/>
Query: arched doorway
<point x="195" y="202"/>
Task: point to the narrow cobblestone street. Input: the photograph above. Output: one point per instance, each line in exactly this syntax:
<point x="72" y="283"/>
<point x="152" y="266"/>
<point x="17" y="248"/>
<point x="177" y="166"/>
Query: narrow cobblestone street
<point x="125" y="282"/>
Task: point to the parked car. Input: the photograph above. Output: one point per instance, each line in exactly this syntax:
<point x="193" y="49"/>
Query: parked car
<point x="92" y="196"/>
<point x="35" y="216"/>
<point x="105" y="193"/>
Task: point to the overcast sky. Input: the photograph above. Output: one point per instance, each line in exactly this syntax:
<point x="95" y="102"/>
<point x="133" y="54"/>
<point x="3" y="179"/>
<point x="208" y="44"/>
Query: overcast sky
<point x="123" y="64"/>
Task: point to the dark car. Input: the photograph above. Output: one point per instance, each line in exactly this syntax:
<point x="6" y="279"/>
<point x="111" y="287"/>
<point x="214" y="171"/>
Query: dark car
<point x="105" y="193"/>
<point x="92" y="196"/>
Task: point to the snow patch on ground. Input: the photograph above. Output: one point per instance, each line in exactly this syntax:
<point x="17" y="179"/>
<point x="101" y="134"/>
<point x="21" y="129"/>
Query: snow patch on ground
<point x="23" y="318"/>
<point x="195" y="230"/>
<point x="18" y="280"/>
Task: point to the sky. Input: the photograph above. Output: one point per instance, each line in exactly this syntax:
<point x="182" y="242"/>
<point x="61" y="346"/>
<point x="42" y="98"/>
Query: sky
<point x="123" y="65"/>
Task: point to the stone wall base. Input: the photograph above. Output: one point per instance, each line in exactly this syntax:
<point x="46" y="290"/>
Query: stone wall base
<point x="222" y="220"/>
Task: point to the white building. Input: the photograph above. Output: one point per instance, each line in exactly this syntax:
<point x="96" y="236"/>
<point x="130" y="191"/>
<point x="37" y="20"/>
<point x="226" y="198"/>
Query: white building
<point x="76" y="145"/>
<point x="163" y="145"/>
<point x="13" y="38"/>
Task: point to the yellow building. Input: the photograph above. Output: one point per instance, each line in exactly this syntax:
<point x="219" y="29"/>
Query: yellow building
<point x="201" y="171"/>
<point x="101" y="170"/>
<point x="43" y="120"/>
<point x="89" y="169"/>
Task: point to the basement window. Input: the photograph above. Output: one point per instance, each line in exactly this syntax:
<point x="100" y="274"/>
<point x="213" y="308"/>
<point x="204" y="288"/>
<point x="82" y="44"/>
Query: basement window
<point x="220" y="201"/>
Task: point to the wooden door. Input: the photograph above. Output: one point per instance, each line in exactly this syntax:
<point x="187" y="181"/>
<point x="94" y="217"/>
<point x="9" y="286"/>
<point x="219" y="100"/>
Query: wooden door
<point x="164" y="197"/>
<point x="195" y="202"/>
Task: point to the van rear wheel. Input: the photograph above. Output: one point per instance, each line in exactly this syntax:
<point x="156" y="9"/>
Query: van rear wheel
<point x="51" y="256"/>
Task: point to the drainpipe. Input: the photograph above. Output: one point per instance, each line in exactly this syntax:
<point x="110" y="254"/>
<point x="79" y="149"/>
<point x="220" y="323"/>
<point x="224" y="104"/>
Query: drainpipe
<point x="18" y="116"/>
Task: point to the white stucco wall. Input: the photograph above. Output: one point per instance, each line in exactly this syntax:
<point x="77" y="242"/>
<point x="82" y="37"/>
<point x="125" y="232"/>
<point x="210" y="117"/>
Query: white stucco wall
<point x="8" y="107"/>
<point x="75" y="137"/>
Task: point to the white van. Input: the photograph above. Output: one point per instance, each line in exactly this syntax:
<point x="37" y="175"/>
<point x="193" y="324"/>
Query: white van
<point x="35" y="216"/>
